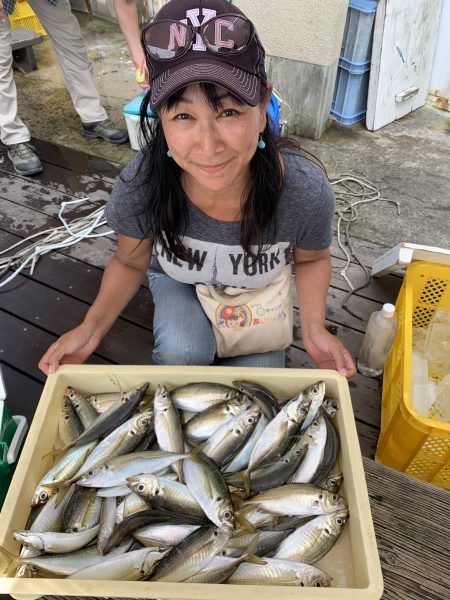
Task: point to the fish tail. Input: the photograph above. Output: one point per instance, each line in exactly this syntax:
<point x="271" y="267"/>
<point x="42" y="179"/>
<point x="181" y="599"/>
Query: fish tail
<point x="242" y="520"/>
<point x="250" y="555"/>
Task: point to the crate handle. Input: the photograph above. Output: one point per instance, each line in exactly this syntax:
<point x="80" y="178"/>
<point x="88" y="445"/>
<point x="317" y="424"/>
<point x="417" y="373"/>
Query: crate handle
<point x="2" y="387"/>
<point x="407" y="94"/>
<point x="16" y="442"/>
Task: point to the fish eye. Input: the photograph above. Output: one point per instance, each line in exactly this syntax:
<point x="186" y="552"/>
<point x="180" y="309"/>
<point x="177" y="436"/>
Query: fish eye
<point x="339" y="521"/>
<point x="250" y="420"/>
<point x="315" y="390"/>
<point x="43" y="496"/>
<point x="140" y="487"/>
<point x="227" y="515"/>
<point x="90" y="473"/>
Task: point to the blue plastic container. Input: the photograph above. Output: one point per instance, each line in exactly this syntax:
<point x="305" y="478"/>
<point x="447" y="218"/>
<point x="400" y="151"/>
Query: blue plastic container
<point x="273" y="111"/>
<point x="350" y="96"/>
<point x="357" y="42"/>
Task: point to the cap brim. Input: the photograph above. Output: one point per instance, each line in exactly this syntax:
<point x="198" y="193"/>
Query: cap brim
<point x="240" y="83"/>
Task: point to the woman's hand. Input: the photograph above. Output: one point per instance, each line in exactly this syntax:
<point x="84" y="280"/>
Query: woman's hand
<point x="74" y="347"/>
<point x="329" y="353"/>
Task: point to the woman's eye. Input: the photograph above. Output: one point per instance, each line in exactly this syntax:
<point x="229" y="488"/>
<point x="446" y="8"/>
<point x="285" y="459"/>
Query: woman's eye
<point x="182" y="117"/>
<point x="230" y="112"/>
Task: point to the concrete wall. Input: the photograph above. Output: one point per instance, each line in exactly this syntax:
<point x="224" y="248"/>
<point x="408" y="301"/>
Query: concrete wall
<point x="440" y="76"/>
<point x="302" y="39"/>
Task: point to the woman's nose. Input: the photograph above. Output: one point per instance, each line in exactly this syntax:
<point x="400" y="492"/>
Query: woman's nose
<point x="209" y="140"/>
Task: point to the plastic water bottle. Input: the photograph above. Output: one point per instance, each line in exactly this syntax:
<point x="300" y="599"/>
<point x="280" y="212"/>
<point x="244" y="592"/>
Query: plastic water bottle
<point x="380" y="334"/>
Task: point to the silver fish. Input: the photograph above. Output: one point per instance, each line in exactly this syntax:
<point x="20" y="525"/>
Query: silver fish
<point x="54" y="542"/>
<point x="317" y="434"/>
<point x="165" y="494"/>
<point x="115" y="471"/>
<point x="83" y="511"/>
<point x="209" y="488"/>
<point x="204" y="424"/>
<point x="261" y="396"/>
<point x="280" y="572"/>
<point x="330" y="455"/>
<point x="317" y="393"/>
<point x="298" y="499"/>
<point x="107" y="523"/>
<point x="240" y="461"/>
<point x="229" y="438"/>
<point x="196" y="397"/>
<point x="66" y="564"/>
<point x="132" y="566"/>
<point x="167" y="426"/>
<point x="314" y="539"/>
<point x="69" y="426"/>
<point x="191" y="555"/>
<point x="163" y="534"/>
<point x="84" y="409"/>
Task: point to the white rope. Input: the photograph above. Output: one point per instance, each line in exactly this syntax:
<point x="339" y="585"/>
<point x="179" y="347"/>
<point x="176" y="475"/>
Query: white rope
<point x="346" y="188"/>
<point x="52" y="239"/>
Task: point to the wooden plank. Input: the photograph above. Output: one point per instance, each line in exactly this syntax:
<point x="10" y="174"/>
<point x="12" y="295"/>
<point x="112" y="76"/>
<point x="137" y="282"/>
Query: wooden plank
<point x="413" y="532"/>
<point x="23" y="344"/>
<point x="57" y="313"/>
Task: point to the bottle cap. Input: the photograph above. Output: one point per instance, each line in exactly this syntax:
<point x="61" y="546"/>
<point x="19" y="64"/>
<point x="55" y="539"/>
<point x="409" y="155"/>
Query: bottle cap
<point x="388" y="310"/>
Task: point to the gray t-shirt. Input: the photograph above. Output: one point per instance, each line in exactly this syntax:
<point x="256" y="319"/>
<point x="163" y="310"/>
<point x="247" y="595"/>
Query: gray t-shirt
<point x="304" y="220"/>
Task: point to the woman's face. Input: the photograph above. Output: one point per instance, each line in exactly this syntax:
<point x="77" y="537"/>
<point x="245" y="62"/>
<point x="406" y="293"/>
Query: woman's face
<point x="214" y="148"/>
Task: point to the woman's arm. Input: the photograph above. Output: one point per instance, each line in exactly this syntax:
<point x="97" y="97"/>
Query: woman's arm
<point x="121" y="280"/>
<point x="128" y="19"/>
<point x="312" y="279"/>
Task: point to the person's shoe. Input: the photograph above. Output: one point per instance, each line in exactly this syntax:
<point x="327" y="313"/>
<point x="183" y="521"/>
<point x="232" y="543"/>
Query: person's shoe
<point x="24" y="159"/>
<point x="105" y="129"/>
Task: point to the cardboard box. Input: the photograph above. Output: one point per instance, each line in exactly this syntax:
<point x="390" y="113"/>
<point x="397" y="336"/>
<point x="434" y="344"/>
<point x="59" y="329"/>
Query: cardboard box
<point x="353" y="562"/>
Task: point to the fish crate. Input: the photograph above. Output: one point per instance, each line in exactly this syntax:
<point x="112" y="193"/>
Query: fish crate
<point x="408" y="441"/>
<point x="24" y="16"/>
<point x="350" y="93"/>
<point x="353" y="562"/>
<point x="358" y="33"/>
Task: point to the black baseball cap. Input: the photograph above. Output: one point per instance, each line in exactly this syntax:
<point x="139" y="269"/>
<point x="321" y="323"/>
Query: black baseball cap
<point x="241" y="73"/>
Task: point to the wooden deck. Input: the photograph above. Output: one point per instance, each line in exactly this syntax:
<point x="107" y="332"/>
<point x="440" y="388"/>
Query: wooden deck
<point x="36" y="309"/>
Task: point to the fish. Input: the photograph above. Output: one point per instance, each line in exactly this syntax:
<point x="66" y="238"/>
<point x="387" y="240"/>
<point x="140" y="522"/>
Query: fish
<point x="107" y="523"/>
<point x="240" y="461"/>
<point x="317" y="435"/>
<point x="191" y="555"/>
<point x="69" y="426"/>
<point x="55" y="542"/>
<point x="261" y="396"/>
<point x="113" y="417"/>
<point x="204" y="424"/>
<point x="280" y="572"/>
<point x="83" y="511"/>
<point x="115" y="471"/>
<point x="196" y="397"/>
<point x="168" y="427"/>
<point x="314" y="539"/>
<point x="330" y="454"/>
<point x="297" y="499"/>
<point x="66" y="564"/>
<point x="132" y="566"/>
<point x="122" y="440"/>
<point x="163" y="534"/>
<point x="165" y="494"/>
<point x="262" y="541"/>
<point x="83" y="408"/>
<point x="229" y="438"/>
<point x="317" y="394"/>
<point x="278" y="435"/>
<point x="210" y="489"/>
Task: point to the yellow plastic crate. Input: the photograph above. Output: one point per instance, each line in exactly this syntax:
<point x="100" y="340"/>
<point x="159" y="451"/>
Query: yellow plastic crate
<point x="353" y="562"/>
<point x="408" y="441"/>
<point x="24" y="16"/>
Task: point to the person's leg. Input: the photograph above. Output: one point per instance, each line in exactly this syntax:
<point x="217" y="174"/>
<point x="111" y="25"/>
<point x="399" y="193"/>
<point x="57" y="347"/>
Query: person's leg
<point x="64" y="31"/>
<point x="182" y="332"/>
<point x="275" y="359"/>
<point x="13" y="132"/>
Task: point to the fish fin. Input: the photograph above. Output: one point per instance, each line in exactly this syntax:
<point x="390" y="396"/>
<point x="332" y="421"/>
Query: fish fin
<point x="250" y="555"/>
<point x="195" y="451"/>
<point x="247" y="481"/>
<point x="59" y="496"/>
<point x="57" y="451"/>
<point x="242" y="521"/>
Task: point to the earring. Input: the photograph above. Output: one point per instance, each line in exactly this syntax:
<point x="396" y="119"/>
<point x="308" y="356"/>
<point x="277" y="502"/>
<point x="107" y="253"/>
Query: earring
<point x="169" y="153"/>
<point x="261" y="143"/>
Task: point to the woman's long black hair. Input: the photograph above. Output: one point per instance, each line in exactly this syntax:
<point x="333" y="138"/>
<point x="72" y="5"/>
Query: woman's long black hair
<point x="167" y="202"/>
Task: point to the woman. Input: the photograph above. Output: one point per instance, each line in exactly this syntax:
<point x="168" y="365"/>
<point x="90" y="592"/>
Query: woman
<point x="217" y="200"/>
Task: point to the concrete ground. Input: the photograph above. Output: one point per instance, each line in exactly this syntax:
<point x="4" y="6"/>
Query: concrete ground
<point x="409" y="160"/>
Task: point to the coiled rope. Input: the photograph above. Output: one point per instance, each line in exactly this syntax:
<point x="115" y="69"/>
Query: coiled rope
<point x="346" y="189"/>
